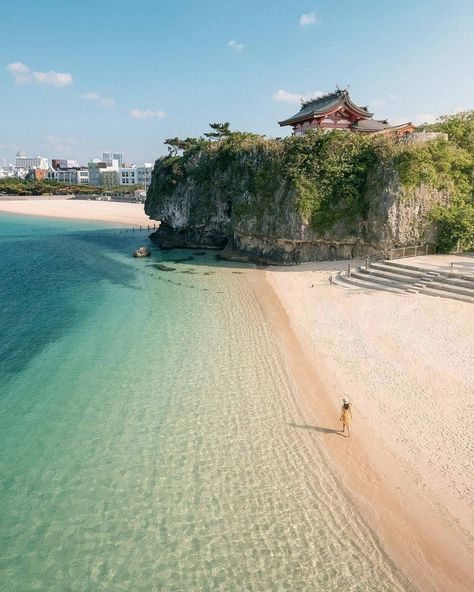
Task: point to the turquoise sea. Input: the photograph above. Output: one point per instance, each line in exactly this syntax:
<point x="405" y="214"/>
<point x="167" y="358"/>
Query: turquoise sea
<point x="147" y="430"/>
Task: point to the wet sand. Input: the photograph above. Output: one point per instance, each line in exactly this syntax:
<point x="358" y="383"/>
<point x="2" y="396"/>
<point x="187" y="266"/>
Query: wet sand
<point x="102" y="211"/>
<point x="405" y="361"/>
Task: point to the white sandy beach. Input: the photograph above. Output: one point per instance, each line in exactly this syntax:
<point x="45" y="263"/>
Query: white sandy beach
<point x="406" y="363"/>
<point x="102" y="211"/>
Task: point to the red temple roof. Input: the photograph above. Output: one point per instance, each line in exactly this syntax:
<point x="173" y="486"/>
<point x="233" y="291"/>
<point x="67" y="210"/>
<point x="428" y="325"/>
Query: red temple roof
<point x="327" y="105"/>
<point x="336" y="111"/>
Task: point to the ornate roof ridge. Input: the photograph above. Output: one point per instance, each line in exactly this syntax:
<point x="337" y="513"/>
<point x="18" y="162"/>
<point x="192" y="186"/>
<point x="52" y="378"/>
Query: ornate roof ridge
<point x="335" y="93"/>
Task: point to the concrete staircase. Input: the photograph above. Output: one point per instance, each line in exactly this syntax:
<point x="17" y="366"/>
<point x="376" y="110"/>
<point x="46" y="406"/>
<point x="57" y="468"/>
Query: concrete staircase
<point x="395" y="276"/>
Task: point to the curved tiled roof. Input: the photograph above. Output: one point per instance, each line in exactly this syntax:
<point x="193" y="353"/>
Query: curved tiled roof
<point x="375" y="125"/>
<point x="326" y="104"/>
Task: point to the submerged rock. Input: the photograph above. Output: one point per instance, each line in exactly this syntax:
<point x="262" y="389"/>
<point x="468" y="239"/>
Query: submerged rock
<point x="162" y="267"/>
<point x="142" y="252"/>
<point x="182" y="260"/>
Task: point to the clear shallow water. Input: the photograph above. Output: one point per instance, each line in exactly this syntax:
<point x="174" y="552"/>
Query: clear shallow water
<point x="145" y="430"/>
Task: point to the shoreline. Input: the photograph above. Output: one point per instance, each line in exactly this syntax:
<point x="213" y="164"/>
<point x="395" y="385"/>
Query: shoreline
<point x="425" y="542"/>
<point x="430" y="544"/>
<point x="125" y="214"/>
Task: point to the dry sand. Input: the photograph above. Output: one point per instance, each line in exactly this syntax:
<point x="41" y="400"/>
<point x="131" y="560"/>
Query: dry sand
<point x="103" y="211"/>
<point x="406" y="363"/>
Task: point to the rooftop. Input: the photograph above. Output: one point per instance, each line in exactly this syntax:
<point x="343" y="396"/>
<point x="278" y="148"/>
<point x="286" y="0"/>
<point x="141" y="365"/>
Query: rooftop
<point x="326" y="104"/>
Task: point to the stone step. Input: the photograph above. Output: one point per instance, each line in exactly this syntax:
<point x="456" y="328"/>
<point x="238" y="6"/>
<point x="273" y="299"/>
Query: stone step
<point x="361" y="284"/>
<point x="392" y="276"/>
<point x="442" y="286"/>
<point x="429" y="291"/>
<point x="383" y="266"/>
<point x="425" y="270"/>
<point x="429" y="284"/>
<point x="455" y="282"/>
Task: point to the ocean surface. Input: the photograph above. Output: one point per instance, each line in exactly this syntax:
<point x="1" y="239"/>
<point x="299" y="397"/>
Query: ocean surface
<point x="149" y="435"/>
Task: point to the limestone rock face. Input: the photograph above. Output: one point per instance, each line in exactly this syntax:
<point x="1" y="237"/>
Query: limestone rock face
<point x="398" y="216"/>
<point x="262" y="221"/>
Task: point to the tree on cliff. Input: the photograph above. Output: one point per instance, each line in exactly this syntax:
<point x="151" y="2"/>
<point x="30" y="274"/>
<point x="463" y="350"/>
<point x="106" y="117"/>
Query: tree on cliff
<point x="175" y="144"/>
<point x="221" y="131"/>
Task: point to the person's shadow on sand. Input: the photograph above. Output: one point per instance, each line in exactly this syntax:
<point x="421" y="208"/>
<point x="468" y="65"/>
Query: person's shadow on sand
<point x="319" y="429"/>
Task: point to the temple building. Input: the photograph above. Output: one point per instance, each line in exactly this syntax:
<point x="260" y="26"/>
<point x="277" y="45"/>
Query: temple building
<point x="336" y="111"/>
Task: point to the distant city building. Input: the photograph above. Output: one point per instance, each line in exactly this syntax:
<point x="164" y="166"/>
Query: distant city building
<point x="109" y="177"/>
<point x="7" y="171"/>
<point x="83" y="176"/>
<point x="94" y="167"/>
<point x="38" y="174"/>
<point x="144" y="175"/>
<point x="110" y="157"/>
<point x="336" y="111"/>
<point x="128" y="175"/>
<point x="30" y="162"/>
<point x="75" y="176"/>
<point x="132" y="174"/>
<point x="59" y="163"/>
<point x="108" y="172"/>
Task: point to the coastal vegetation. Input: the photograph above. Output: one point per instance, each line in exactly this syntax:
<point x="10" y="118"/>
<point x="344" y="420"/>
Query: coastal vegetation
<point x="327" y="183"/>
<point x="11" y="186"/>
<point x="452" y="163"/>
<point x="327" y="173"/>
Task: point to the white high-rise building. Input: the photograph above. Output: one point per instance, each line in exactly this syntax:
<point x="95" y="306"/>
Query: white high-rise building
<point x="144" y="175"/>
<point x="128" y="175"/>
<point x="110" y="157"/>
<point x="30" y="162"/>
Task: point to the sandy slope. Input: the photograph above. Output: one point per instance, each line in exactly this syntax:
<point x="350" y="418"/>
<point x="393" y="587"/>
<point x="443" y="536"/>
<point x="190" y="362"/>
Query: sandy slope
<point x="104" y="211"/>
<point x="406" y="362"/>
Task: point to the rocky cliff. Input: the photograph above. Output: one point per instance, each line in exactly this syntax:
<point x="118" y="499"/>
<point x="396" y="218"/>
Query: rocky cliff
<point x="289" y="201"/>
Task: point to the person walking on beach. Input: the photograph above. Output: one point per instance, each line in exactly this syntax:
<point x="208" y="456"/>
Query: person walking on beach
<point x="346" y="416"/>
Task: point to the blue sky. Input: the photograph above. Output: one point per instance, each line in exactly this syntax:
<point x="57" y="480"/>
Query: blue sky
<point x="80" y="78"/>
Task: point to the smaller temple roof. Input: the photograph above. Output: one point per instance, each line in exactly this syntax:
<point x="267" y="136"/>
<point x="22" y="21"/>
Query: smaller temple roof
<point x="380" y="126"/>
<point x="325" y="105"/>
<point x="370" y="125"/>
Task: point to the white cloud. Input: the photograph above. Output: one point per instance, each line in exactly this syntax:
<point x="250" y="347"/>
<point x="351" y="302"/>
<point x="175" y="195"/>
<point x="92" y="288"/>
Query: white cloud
<point x="383" y="101"/>
<point x="285" y="96"/>
<point x="237" y="47"/>
<point x="458" y="109"/>
<point x="91" y="96"/>
<point x="24" y="75"/>
<point x="53" y="78"/>
<point x="377" y="103"/>
<point x="20" y="72"/>
<point x="424" y="118"/>
<point x="147" y="114"/>
<point x="107" y="102"/>
<point x="308" y="19"/>
<point x="400" y="120"/>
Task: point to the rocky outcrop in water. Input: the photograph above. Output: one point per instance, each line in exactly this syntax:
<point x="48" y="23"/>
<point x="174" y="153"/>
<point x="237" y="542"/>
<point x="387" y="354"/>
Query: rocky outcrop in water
<point x="142" y="252"/>
<point x="259" y="202"/>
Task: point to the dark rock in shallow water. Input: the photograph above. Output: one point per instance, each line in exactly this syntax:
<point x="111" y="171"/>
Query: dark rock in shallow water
<point x="142" y="252"/>
<point x="199" y="254"/>
<point x="162" y="267"/>
<point x="182" y="260"/>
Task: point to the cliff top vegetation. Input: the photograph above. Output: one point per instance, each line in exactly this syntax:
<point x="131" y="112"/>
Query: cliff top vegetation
<point x="327" y="173"/>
